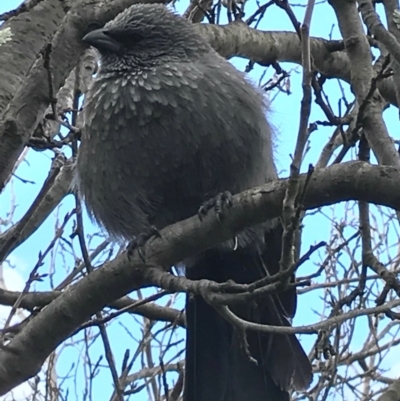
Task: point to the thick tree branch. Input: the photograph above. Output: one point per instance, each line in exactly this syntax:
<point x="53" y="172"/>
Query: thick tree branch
<point x="151" y="311"/>
<point x="362" y="74"/>
<point x="29" y="33"/>
<point x="392" y="393"/>
<point x="238" y="39"/>
<point x="329" y="57"/>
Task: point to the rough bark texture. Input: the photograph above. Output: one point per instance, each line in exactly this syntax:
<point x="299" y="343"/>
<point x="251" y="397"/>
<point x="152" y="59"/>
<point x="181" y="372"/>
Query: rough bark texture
<point x="30" y="32"/>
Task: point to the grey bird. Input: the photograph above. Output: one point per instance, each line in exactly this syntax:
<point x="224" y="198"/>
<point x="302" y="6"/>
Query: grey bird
<point x="169" y="124"/>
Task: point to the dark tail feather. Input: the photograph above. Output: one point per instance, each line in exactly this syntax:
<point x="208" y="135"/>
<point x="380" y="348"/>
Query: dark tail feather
<point x="250" y="381"/>
<point x="217" y="369"/>
<point x="207" y="352"/>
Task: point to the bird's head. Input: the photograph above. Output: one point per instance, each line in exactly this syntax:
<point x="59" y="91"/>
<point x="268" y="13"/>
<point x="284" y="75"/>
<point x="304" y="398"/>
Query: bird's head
<point x="145" y="35"/>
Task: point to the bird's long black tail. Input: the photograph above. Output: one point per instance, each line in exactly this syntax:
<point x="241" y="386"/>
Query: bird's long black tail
<point x="217" y="368"/>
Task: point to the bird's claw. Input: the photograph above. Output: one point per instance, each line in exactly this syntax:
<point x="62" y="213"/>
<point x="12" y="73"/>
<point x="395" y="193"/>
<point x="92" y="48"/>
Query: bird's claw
<point x="140" y="241"/>
<point x="221" y="201"/>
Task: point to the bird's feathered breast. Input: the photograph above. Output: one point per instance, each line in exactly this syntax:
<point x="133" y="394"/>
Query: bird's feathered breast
<point x="148" y="127"/>
<point x="168" y="97"/>
<point x="128" y="95"/>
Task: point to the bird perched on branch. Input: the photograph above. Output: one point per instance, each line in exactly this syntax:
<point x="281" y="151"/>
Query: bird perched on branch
<point x="168" y="124"/>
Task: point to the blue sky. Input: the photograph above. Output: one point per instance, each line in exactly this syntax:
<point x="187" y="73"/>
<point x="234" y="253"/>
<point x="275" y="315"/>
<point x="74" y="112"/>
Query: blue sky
<point x="285" y="116"/>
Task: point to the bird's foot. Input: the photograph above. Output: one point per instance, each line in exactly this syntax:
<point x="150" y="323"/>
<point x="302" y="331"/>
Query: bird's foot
<point x="221" y="201"/>
<point x="140" y="240"/>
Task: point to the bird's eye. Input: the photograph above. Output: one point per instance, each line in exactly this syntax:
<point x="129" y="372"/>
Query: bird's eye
<point x="124" y="38"/>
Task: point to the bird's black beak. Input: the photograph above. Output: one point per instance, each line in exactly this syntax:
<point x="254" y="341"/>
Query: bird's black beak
<point x="102" y="41"/>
